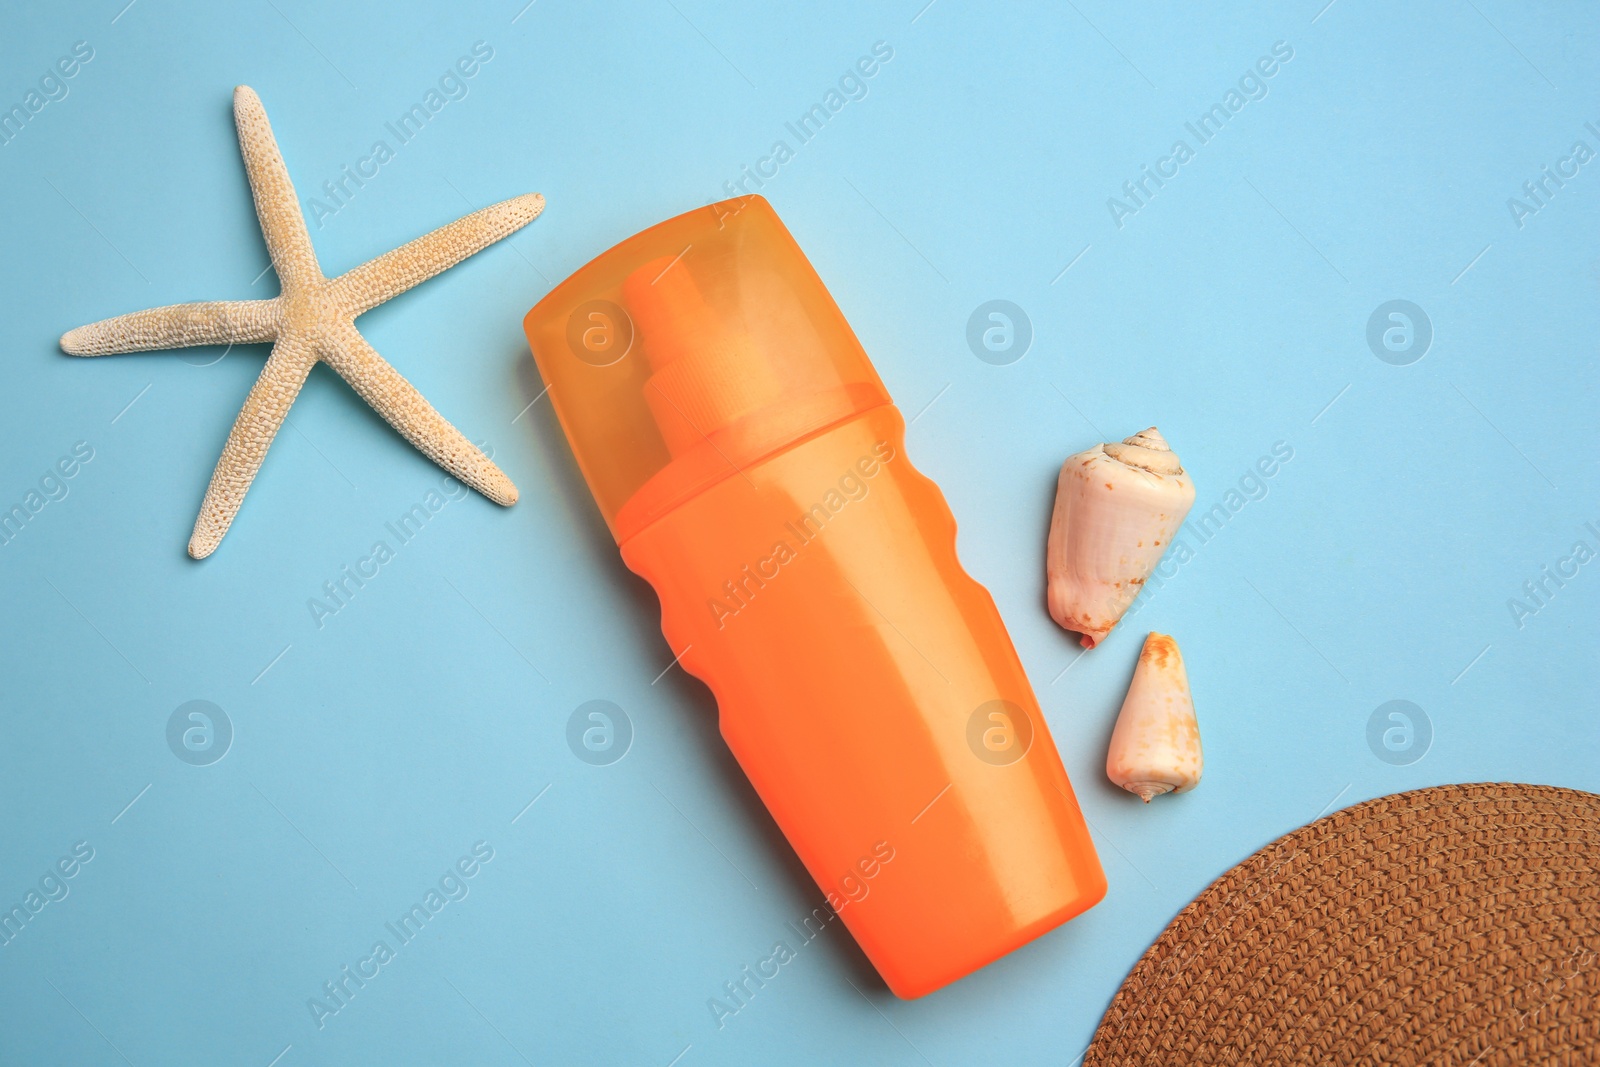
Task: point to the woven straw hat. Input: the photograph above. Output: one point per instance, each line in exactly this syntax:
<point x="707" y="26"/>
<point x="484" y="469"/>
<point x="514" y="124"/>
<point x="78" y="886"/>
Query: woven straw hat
<point x="1457" y="925"/>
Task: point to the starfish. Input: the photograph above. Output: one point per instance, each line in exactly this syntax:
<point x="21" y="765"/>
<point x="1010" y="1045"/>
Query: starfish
<point x="312" y="319"/>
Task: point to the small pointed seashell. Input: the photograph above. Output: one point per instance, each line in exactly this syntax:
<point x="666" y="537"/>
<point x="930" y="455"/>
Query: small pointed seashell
<point x="1117" y="509"/>
<point x="1155" y="747"/>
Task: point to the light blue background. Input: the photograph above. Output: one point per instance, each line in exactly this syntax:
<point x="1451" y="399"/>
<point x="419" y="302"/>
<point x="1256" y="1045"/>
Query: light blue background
<point x="372" y="752"/>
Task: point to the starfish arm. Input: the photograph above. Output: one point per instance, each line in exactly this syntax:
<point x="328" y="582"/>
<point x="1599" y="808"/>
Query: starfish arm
<point x="282" y="224"/>
<point x="398" y="401"/>
<point x="367" y="286"/>
<point x="176" y="326"/>
<point x="264" y="411"/>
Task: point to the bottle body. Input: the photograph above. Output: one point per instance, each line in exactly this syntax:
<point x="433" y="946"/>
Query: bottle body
<point x="751" y="466"/>
<point x="869" y="690"/>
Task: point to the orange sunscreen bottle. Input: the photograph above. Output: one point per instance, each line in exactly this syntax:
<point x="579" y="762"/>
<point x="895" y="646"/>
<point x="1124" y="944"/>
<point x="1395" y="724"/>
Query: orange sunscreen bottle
<point x="752" y="468"/>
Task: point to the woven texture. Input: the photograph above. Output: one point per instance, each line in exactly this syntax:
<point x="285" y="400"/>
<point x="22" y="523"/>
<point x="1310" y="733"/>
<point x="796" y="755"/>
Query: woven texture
<point x="1456" y="925"/>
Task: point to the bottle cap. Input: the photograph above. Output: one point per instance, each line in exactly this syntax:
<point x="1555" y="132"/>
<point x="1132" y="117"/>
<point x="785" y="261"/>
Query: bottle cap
<point x="689" y="352"/>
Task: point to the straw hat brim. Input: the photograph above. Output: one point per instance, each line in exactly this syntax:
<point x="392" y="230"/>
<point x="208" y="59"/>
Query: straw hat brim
<point x="1455" y="925"/>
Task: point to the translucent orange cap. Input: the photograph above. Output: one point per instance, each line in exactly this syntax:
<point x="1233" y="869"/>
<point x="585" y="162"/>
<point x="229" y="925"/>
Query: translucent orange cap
<point x="690" y="351"/>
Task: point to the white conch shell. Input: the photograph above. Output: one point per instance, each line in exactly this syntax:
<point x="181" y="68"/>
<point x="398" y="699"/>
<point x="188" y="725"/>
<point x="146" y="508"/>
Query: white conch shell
<point x="1155" y="747"/>
<point x="1118" y="507"/>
